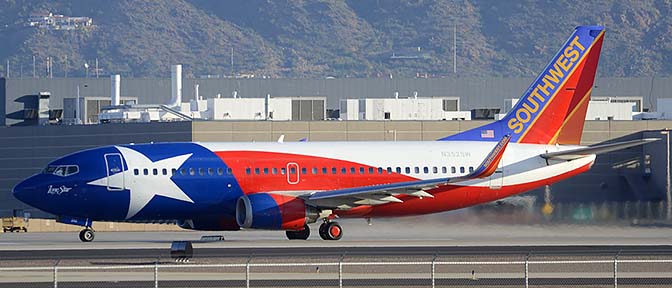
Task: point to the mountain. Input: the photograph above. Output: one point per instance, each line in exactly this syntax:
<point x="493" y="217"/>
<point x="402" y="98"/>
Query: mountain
<point x="322" y="38"/>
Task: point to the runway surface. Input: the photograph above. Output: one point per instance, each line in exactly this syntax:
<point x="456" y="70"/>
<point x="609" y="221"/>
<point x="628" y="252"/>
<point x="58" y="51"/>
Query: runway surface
<point x="408" y="236"/>
<point x="126" y="259"/>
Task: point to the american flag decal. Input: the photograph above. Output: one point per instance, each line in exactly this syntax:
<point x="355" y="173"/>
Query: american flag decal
<point x="487" y="133"/>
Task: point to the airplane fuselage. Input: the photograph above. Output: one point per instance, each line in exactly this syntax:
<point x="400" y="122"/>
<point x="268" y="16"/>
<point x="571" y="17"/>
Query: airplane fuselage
<point x="185" y="181"/>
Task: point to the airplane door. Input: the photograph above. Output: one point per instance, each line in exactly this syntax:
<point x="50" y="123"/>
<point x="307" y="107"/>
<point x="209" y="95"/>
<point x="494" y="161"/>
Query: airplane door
<point x="497" y="178"/>
<point x="292" y="173"/>
<point x="115" y="168"/>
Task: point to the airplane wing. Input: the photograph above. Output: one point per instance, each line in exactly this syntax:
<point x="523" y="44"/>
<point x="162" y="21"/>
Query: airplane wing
<point x="595" y="149"/>
<point x="385" y="193"/>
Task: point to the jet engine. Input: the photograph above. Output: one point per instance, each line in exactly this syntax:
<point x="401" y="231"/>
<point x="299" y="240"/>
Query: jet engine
<point x="274" y="211"/>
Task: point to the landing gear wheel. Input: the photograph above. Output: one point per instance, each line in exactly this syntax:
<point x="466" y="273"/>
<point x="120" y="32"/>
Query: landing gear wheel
<point x="299" y="235"/>
<point x="87" y="235"/>
<point x="331" y="231"/>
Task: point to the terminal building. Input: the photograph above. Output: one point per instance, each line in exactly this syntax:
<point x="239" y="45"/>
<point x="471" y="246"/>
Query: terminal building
<point x="39" y="120"/>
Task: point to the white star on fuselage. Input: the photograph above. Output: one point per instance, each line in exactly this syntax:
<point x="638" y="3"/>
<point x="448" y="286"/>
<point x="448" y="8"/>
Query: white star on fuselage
<point x="144" y="187"/>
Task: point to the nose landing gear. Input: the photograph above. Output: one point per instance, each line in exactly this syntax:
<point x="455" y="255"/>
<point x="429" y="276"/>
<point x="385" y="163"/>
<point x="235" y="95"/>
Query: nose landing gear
<point x="331" y="231"/>
<point x="87" y="235"/>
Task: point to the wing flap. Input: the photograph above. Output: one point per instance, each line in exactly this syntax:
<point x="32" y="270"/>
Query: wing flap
<point x="595" y="149"/>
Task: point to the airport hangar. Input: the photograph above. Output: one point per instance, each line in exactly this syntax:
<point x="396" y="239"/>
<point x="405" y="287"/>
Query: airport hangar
<point x="637" y="174"/>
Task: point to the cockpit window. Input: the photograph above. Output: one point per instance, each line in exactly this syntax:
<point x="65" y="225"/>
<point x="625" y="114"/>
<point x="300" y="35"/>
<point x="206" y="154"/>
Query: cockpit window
<point x="61" y="170"/>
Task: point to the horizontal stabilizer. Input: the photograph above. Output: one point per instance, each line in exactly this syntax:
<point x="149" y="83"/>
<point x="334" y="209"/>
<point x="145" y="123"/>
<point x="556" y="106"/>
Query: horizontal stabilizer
<point x="595" y="149"/>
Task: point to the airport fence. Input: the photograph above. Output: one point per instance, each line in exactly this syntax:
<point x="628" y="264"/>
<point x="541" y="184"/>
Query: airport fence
<point x="437" y="272"/>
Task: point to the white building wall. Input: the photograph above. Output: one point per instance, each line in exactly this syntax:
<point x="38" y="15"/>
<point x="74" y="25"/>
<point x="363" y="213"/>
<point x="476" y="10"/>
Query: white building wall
<point x="349" y="109"/>
<point x="281" y="108"/>
<point x="409" y="109"/>
<point x="604" y="110"/>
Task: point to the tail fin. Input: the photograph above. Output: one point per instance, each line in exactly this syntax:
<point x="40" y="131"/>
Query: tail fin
<point x="553" y="108"/>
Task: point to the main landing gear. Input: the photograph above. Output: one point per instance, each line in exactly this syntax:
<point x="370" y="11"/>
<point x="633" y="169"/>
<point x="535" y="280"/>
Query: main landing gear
<point x="328" y="231"/>
<point x="299" y="235"/>
<point x="331" y="231"/>
<point x="87" y="234"/>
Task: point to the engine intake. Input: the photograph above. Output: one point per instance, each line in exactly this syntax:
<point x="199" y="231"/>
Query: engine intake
<point x="274" y="212"/>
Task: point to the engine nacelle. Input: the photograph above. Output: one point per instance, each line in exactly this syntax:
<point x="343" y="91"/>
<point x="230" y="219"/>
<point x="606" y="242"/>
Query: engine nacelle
<point x="274" y="212"/>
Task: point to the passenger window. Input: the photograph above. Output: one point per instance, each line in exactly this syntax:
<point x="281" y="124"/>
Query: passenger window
<point x="380" y="170"/>
<point x="471" y="169"/>
<point x="344" y="170"/>
<point x="211" y="171"/>
<point x="334" y="170"/>
<point x="283" y="171"/>
<point x="248" y="171"/>
<point x="303" y="170"/>
<point x="173" y="171"/>
<point x="229" y="171"/>
<point x="136" y="172"/>
<point x="183" y="171"/>
<point x="314" y="170"/>
<point x="370" y="170"/>
<point x="265" y="171"/>
<point x="399" y="170"/>
<point x="435" y="170"/>
<point x="164" y="171"/>
<point x="275" y="171"/>
<point x="452" y="170"/>
<point x="361" y="170"/>
<point x="155" y="171"/>
<point x="324" y="170"/>
<point x="444" y="170"/>
<point x="426" y="170"/>
<point x="256" y="171"/>
<point x="201" y="171"/>
<point x="389" y="170"/>
<point x="352" y="170"/>
<point x="292" y="170"/>
<point x="417" y="170"/>
<point x="220" y="171"/>
<point x="145" y="171"/>
<point x="462" y="169"/>
<point x="408" y="170"/>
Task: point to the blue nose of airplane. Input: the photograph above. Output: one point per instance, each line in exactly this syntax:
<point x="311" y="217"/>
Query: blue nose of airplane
<point x="25" y="190"/>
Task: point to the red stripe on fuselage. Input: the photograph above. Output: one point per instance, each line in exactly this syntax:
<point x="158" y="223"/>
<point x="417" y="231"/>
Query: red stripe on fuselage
<point x="239" y="161"/>
<point x="452" y="197"/>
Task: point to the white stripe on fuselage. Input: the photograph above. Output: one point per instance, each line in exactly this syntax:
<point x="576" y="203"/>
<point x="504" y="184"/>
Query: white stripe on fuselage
<point x="521" y="162"/>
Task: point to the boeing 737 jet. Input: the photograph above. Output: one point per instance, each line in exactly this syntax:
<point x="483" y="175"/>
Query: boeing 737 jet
<point x="286" y="186"/>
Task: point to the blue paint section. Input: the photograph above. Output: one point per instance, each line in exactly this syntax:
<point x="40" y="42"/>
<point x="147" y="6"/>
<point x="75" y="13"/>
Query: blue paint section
<point x="265" y="211"/>
<point x="538" y="95"/>
<point x="214" y="195"/>
<point x="85" y="222"/>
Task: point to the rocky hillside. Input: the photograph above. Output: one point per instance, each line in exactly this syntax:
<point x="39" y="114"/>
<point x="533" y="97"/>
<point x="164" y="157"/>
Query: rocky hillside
<point x="352" y="38"/>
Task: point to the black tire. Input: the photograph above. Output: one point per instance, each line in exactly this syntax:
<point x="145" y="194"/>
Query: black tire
<point x="323" y="228"/>
<point x="87" y="235"/>
<point x="331" y="231"/>
<point x="299" y="235"/>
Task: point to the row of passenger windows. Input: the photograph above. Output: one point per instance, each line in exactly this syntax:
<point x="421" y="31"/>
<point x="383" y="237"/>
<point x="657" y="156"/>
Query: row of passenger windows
<point x="358" y="170"/>
<point x="304" y="170"/>
<point x="183" y="171"/>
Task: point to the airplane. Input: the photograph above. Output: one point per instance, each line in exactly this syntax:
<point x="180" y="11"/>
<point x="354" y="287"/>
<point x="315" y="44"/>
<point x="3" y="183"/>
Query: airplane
<point x="288" y="185"/>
